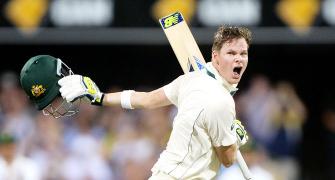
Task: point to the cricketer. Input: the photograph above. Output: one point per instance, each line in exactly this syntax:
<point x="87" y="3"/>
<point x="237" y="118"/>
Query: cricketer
<point x="205" y="131"/>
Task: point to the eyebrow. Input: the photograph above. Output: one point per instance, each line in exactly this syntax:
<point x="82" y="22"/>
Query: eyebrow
<point x="236" y="51"/>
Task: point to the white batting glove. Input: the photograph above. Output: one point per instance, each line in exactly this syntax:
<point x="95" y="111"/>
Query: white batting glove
<point x="241" y="133"/>
<point x="77" y="86"/>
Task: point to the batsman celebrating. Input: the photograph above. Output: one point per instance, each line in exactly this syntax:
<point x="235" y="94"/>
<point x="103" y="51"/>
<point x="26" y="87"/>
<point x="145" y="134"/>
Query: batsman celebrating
<point x="205" y="131"/>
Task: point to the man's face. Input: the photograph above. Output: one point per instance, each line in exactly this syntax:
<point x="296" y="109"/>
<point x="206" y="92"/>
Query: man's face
<point x="232" y="60"/>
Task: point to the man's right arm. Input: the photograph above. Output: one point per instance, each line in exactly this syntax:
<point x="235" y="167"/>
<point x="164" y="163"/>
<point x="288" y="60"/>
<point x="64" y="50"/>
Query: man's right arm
<point x="139" y="100"/>
<point x="148" y="100"/>
<point x="77" y="86"/>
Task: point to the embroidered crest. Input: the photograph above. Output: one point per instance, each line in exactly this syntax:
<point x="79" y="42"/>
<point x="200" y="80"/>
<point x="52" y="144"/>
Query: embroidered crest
<point x="37" y="90"/>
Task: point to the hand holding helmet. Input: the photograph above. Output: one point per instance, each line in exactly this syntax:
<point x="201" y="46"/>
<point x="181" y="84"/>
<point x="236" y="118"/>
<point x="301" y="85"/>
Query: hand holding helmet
<point x="77" y="86"/>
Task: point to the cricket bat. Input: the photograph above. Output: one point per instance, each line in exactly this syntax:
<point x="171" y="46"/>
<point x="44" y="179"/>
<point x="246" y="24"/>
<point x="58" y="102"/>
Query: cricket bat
<point x="190" y="57"/>
<point x="182" y="42"/>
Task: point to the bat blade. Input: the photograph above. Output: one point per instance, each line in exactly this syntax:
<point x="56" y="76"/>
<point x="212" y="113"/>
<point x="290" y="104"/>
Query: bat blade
<point x="182" y="42"/>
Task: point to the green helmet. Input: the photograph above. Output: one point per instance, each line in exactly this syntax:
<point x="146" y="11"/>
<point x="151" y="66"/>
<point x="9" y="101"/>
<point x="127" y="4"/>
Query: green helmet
<point x="39" y="79"/>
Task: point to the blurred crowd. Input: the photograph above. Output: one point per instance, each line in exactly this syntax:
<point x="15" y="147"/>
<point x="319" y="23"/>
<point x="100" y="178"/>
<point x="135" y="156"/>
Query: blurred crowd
<point x="96" y="144"/>
<point x="112" y="143"/>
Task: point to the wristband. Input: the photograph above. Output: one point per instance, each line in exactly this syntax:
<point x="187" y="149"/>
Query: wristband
<point x="125" y="99"/>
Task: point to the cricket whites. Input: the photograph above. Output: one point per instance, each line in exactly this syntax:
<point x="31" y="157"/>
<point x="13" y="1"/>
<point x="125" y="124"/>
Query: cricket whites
<point x="190" y="57"/>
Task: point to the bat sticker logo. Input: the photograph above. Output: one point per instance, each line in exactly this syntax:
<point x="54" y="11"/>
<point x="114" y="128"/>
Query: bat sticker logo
<point x="171" y="20"/>
<point x="199" y="64"/>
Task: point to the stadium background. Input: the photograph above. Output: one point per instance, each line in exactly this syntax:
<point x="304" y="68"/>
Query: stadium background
<point x="119" y="43"/>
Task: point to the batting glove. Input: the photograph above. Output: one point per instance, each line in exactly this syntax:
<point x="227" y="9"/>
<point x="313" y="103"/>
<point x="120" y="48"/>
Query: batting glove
<point x="77" y="86"/>
<point x="241" y="133"/>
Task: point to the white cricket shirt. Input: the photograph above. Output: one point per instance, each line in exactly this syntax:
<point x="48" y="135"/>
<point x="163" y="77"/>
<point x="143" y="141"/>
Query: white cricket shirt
<point x="206" y="111"/>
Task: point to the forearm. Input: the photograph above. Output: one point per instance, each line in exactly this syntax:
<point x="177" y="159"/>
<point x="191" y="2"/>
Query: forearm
<point x="231" y="158"/>
<point x="227" y="154"/>
<point x="139" y="100"/>
<point x="146" y="100"/>
<point x="112" y="99"/>
<point x="77" y="86"/>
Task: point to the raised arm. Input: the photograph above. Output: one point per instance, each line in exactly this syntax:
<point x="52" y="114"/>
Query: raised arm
<point x="139" y="100"/>
<point x="77" y="86"/>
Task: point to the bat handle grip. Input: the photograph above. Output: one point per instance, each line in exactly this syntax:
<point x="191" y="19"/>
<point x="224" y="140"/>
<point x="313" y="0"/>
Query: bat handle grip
<point x="243" y="166"/>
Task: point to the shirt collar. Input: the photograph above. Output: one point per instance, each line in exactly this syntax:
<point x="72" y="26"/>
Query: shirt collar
<point x="211" y="71"/>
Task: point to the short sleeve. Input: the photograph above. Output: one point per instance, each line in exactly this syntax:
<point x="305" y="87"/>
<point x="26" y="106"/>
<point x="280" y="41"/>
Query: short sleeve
<point x="172" y="90"/>
<point x="218" y="120"/>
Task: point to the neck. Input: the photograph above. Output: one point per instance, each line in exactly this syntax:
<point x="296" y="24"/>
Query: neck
<point x="230" y="87"/>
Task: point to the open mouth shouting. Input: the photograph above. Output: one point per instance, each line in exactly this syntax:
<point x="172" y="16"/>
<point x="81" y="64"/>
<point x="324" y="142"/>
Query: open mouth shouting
<point x="237" y="72"/>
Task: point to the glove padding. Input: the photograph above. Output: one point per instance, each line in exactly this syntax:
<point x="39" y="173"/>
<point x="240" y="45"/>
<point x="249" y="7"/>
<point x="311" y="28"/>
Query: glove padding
<point x="241" y="133"/>
<point x="77" y="86"/>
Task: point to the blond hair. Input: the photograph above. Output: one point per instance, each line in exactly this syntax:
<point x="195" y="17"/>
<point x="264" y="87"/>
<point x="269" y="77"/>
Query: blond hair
<point x="228" y="33"/>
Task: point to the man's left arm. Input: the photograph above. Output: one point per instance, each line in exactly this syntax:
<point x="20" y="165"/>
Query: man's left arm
<point x="227" y="154"/>
<point x="223" y="129"/>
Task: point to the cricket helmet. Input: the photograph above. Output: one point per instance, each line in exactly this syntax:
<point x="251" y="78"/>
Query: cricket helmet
<point x="39" y="79"/>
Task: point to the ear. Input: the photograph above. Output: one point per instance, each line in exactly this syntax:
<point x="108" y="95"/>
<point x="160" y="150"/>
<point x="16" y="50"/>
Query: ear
<point x="215" y="57"/>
